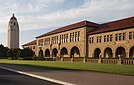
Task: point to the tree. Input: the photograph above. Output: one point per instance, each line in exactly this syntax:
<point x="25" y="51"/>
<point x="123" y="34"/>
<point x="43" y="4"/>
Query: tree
<point x="3" y="51"/>
<point x="14" y="53"/>
<point x="26" y="52"/>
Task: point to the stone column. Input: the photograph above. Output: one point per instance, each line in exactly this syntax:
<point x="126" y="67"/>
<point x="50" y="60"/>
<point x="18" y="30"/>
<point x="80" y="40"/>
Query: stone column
<point x="68" y="37"/>
<point x="72" y="59"/>
<point x="113" y="55"/>
<point x="99" y="60"/>
<point x="92" y="54"/>
<point x="102" y="55"/>
<point x="62" y="59"/>
<point x="119" y="60"/>
<point x="127" y="54"/>
<point x="85" y="60"/>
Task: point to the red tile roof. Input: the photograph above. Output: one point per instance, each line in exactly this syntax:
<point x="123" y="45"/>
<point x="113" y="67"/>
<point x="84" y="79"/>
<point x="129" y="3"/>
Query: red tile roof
<point x="30" y="43"/>
<point x="114" y="25"/>
<point x="70" y="27"/>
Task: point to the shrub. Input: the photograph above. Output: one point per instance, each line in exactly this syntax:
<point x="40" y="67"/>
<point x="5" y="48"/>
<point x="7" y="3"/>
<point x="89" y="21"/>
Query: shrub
<point x="14" y="53"/>
<point x="26" y="52"/>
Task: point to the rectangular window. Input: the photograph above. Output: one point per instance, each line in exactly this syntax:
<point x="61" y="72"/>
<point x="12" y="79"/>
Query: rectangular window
<point x="33" y="47"/>
<point x="100" y="39"/>
<point x="61" y="38"/>
<point x="124" y="36"/>
<point x="78" y="35"/>
<point x="40" y="42"/>
<point x="75" y="36"/>
<point x="133" y="35"/>
<point x="70" y="37"/>
<point x="120" y="36"/>
<point x="66" y="37"/>
<point x="90" y="40"/>
<point x="104" y="38"/>
<point x="116" y="37"/>
<point x="97" y="39"/>
<point x="110" y="38"/>
<point x="130" y="35"/>
<point x="107" y="38"/>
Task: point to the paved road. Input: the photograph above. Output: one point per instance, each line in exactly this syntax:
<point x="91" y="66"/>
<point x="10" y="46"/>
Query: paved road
<point x="12" y="78"/>
<point x="77" y="77"/>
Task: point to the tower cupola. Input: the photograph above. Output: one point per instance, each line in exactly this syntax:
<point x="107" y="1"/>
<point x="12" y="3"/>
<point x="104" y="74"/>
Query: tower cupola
<point x="13" y="17"/>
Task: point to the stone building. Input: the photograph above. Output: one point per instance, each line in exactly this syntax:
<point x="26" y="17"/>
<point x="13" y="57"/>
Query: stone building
<point x="88" y="39"/>
<point x="68" y="41"/>
<point x="13" y="33"/>
<point x="31" y="45"/>
<point x="113" y="39"/>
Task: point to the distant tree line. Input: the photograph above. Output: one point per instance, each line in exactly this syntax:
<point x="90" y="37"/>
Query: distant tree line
<point x="24" y="53"/>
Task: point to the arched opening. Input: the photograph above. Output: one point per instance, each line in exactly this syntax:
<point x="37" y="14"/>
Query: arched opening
<point x="108" y="53"/>
<point x="75" y="52"/>
<point x="64" y="52"/>
<point x="54" y="52"/>
<point x="40" y="53"/>
<point x="131" y="52"/>
<point x="120" y="51"/>
<point x="47" y="53"/>
<point x="97" y="52"/>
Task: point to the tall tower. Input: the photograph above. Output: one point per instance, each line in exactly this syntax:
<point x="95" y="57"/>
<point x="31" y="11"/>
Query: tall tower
<point x="13" y="33"/>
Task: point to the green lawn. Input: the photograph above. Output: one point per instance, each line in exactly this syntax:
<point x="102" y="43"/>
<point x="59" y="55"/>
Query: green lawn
<point x="110" y="68"/>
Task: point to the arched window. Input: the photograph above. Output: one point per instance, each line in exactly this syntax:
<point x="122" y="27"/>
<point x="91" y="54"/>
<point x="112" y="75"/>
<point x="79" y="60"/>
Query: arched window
<point x="108" y="53"/>
<point x="120" y="51"/>
<point x="75" y="52"/>
<point x="97" y="52"/>
<point x="63" y="52"/>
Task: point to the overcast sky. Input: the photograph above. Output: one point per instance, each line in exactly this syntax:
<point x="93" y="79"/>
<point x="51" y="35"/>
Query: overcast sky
<point x="50" y="14"/>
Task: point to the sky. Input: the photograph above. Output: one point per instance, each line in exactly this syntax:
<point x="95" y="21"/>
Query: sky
<point x="37" y="17"/>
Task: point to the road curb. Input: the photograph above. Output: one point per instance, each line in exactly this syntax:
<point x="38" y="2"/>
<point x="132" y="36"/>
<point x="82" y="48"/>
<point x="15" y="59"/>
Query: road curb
<point x="37" y="76"/>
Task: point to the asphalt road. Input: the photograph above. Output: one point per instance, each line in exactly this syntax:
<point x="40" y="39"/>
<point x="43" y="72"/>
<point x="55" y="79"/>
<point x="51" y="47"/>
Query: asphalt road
<point x="12" y="78"/>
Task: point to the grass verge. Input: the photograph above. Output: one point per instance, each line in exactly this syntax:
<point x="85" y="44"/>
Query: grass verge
<point x="80" y="66"/>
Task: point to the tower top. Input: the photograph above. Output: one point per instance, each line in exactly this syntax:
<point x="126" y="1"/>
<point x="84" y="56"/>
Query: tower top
<point x="13" y="17"/>
<point x="13" y="14"/>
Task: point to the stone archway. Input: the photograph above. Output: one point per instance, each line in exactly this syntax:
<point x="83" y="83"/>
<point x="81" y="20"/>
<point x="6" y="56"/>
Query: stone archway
<point x="131" y="52"/>
<point x="54" y="52"/>
<point x="40" y="53"/>
<point x="64" y="52"/>
<point x="97" y="52"/>
<point x="108" y="53"/>
<point x="75" y="52"/>
<point x="120" y="51"/>
<point x="47" y="53"/>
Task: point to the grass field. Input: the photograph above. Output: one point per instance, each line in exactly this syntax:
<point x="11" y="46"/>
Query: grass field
<point x="56" y="65"/>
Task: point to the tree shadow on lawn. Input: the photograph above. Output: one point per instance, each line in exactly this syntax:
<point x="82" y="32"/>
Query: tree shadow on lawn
<point x="43" y="67"/>
<point x="50" y="68"/>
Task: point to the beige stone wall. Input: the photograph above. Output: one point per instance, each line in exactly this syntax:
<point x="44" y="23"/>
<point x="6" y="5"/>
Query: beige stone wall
<point x="68" y="45"/>
<point x="126" y="44"/>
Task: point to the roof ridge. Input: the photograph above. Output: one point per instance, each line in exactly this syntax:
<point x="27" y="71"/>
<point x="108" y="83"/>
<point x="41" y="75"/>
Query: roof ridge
<point x="69" y="27"/>
<point x="114" y="25"/>
<point x="118" y="20"/>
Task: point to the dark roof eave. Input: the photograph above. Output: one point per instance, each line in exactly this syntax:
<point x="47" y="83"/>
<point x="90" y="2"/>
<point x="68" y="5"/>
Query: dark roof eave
<point x="28" y="44"/>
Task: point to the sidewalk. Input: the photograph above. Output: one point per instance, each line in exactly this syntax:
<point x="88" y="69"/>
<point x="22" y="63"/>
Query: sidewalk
<point x="78" y="77"/>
